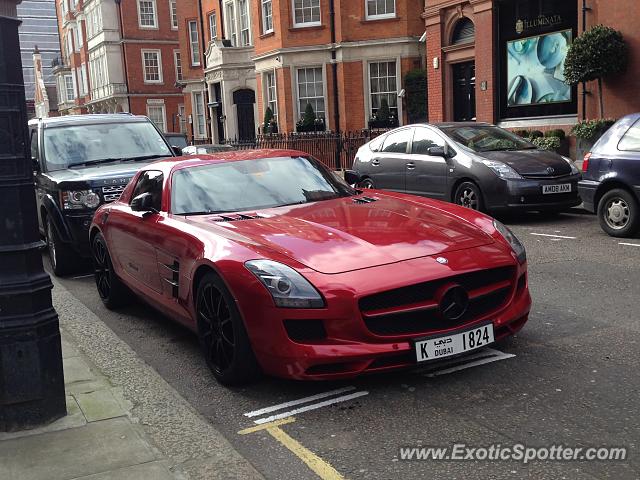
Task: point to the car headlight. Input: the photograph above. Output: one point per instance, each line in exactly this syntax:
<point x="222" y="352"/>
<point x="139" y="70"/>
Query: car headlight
<point x="511" y="238"/>
<point x="574" y="169"/>
<point x="80" y="199"/>
<point x="501" y="169"/>
<point x="288" y="288"/>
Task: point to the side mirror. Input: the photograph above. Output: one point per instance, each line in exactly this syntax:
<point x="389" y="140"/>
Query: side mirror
<point x="143" y="203"/>
<point x="351" y="177"/>
<point x="437" y="151"/>
<point x="176" y="150"/>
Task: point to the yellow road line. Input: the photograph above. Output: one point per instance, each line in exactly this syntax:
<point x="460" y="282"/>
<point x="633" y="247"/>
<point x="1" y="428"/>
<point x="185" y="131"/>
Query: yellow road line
<point x="314" y="462"/>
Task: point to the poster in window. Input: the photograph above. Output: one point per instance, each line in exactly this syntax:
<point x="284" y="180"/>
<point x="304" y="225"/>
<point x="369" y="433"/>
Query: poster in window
<point x="535" y="67"/>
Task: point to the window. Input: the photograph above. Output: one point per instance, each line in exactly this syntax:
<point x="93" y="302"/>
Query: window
<point x="631" y="140"/>
<point x="271" y="93"/>
<point x="85" y="80"/>
<point x="383" y="86"/>
<point x="181" y="119"/>
<point x="156" y="114"/>
<point x="78" y="75"/>
<point x="267" y="16"/>
<point x="199" y="127"/>
<point x="152" y="66"/>
<point x="381" y="9"/>
<point x="213" y="26"/>
<point x="173" y="8"/>
<point x="147" y="14"/>
<point x="79" y="39"/>
<point x="397" y="142"/>
<point x="423" y="140"/>
<point x="194" y="43"/>
<point x="69" y="88"/>
<point x="150" y="182"/>
<point x="306" y="13"/>
<point x="245" y="35"/>
<point x="177" y="60"/>
<point x="463" y="32"/>
<point x="311" y="90"/>
<point x="69" y="43"/>
<point x="230" y="24"/>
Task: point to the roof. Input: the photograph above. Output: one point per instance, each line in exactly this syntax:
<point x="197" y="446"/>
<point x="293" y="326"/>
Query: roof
<point x="89" y="119"/>
<point x="178" y="163"/>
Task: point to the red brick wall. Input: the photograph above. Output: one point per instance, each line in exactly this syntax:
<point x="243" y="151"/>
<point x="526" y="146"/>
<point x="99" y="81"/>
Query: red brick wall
<point x="351" y="84"/>
<point x="435" y="97"/>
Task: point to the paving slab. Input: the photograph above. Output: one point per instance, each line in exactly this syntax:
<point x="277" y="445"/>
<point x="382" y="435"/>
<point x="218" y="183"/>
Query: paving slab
<point x="99" y="405"/>
<point x="146" y="471"/>
<point x="76" y="370"/>
<point x="94" y="448"/>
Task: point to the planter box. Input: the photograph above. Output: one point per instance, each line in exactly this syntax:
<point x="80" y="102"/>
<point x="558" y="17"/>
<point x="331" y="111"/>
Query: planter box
<point x="391" y="123"/>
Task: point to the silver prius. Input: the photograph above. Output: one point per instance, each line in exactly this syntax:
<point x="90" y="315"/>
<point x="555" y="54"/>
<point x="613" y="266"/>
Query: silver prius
<point x="476" y="165"/>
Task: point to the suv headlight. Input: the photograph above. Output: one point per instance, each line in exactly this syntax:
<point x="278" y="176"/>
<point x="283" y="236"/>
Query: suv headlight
<point x="574" y="169"/>
<point x="79" y="199"/>
<point x="288" y="288"/>
<point x="511" y="238"/>
<point x="501" y="169"/>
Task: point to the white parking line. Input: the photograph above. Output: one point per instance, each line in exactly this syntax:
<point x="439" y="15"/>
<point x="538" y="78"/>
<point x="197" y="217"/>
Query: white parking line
<point x="314" y="406"/>
<point x="299" y="401"/>
<point x="483" y="357"/>
<point x="629" y="244"/>
<point x="552" y="236"/>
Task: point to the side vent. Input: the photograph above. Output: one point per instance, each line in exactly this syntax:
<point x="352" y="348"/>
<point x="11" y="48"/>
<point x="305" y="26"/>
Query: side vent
<point x="174" y="281"/>
<point x="235" y="218"/>
<point x="362" y="200"/>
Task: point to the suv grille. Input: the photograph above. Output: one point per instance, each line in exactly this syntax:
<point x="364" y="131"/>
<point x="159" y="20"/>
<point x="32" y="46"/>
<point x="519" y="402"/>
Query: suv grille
<point x="112" y="192"/>
<point x="414" y="309"/>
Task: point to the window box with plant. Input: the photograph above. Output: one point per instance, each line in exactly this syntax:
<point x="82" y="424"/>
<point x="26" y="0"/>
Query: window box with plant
<point x="383" y="118"/>
<point x="270" y="125"/>
<point x="310" y="122"/>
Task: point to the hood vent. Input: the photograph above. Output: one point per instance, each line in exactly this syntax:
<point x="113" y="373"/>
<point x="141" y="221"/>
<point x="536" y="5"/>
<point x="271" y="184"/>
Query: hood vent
<point x="364" y="200"/>
<point x="235" y="218"/>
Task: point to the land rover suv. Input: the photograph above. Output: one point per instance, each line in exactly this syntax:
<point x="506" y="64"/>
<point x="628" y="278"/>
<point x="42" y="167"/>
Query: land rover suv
<point x="81" y="162"/>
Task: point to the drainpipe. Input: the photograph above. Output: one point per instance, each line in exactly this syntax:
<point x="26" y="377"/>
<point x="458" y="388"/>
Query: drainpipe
<point x="585" y="9"/>
<point x="334" y="75"/>
<point x="124" y="53"/>
<point x="207" y="116"/>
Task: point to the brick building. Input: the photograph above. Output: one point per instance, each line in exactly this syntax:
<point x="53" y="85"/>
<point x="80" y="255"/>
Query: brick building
<point x="120" y="56"/>
<point x="501" y="61"/>
<point x="343" y="57"/>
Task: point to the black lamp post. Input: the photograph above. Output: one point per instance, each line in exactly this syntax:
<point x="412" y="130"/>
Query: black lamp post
<point x="31" y="378"/>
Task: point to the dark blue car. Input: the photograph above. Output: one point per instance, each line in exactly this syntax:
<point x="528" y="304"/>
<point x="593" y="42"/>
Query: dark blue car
<point x="610" y="184"/>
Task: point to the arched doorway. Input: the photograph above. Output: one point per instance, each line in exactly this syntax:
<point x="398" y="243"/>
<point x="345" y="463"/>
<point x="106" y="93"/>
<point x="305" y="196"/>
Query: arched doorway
<point x="464" y="74"/>
<point x="245" y="100"/>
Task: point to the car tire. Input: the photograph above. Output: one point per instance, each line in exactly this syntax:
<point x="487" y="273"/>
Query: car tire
<point x="366" y="184"/>
<point x="223" y="337"/>
<point x="111" y="290"/>
<point x="619" y="213"/>
<point x="468" y="195"/>
<point x="61" y="256"/>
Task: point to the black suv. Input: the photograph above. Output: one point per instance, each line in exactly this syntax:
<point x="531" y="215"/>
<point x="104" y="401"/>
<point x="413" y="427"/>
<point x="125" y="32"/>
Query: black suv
<point x="81" y="162"/>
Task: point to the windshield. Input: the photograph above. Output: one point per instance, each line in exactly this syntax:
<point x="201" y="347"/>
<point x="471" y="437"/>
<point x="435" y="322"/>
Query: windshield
<point x="251" y="185"/>
<point x="486" y="138"/>
<point x="66" y="146"/>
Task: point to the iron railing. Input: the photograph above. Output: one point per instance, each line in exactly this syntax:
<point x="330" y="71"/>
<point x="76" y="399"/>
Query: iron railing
<point x="335" y="149"/>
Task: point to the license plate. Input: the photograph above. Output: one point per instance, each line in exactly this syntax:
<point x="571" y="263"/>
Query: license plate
<point x="563" y="188"/>
<point x="435" y="348"/>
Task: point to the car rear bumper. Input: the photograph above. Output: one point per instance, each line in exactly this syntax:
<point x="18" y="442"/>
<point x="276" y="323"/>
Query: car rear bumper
<point x="347" y="345"/>
<point x="526" y="194"/>
<point x="587" y="190"/>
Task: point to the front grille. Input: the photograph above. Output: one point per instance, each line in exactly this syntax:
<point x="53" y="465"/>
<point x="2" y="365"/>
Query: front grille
<point x="488" y="291"/>
<point x="112" y="192"/>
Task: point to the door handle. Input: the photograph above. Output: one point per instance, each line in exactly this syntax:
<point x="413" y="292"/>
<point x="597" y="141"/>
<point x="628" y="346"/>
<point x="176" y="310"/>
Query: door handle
<point x="375" y="162"/>
<point x="411" y="166"/>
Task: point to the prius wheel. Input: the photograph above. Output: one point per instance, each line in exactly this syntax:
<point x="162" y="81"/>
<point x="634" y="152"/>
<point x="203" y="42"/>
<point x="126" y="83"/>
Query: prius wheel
<point x="619" y="213"/>
<point x="367" y="183"/>
<point x="468" y="195"/>
<point x="223" y="337"/>
<point x="61" y="256"/>
<point x="112" y="291"/>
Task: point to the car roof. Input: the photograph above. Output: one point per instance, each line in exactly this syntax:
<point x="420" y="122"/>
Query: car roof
<point x="89" y="119"/>
<point x="179" y="163"/>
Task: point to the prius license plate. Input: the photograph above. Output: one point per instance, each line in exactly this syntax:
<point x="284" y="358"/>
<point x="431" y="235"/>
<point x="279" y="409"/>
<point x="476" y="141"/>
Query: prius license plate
<point x="435" y="348"/>
<point x="562" y="188"/>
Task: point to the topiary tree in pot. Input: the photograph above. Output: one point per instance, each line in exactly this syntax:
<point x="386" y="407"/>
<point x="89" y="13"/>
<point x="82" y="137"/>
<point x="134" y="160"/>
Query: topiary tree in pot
<point x="598" y="53"/>
<point x="270" y="125"/>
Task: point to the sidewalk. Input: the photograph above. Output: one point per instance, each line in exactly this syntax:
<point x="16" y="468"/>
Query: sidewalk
<point x="124" y="421"/>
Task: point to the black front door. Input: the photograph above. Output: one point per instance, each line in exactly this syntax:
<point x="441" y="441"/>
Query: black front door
<point x="217" y="91"/>
<point x="245" y="101"/>
<point x="464" y="91"/>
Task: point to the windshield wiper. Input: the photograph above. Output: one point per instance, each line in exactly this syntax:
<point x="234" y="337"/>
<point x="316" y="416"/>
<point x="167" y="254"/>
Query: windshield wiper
<point x="143" y="157"/>
<point x="95" y="162"/>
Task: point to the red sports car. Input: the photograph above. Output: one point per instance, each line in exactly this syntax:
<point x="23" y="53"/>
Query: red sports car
<point x="281" y="267"/>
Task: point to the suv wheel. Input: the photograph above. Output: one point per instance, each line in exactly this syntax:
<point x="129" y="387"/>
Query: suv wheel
<point x="619" y="213"/>
<point x="61" y="256"/>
